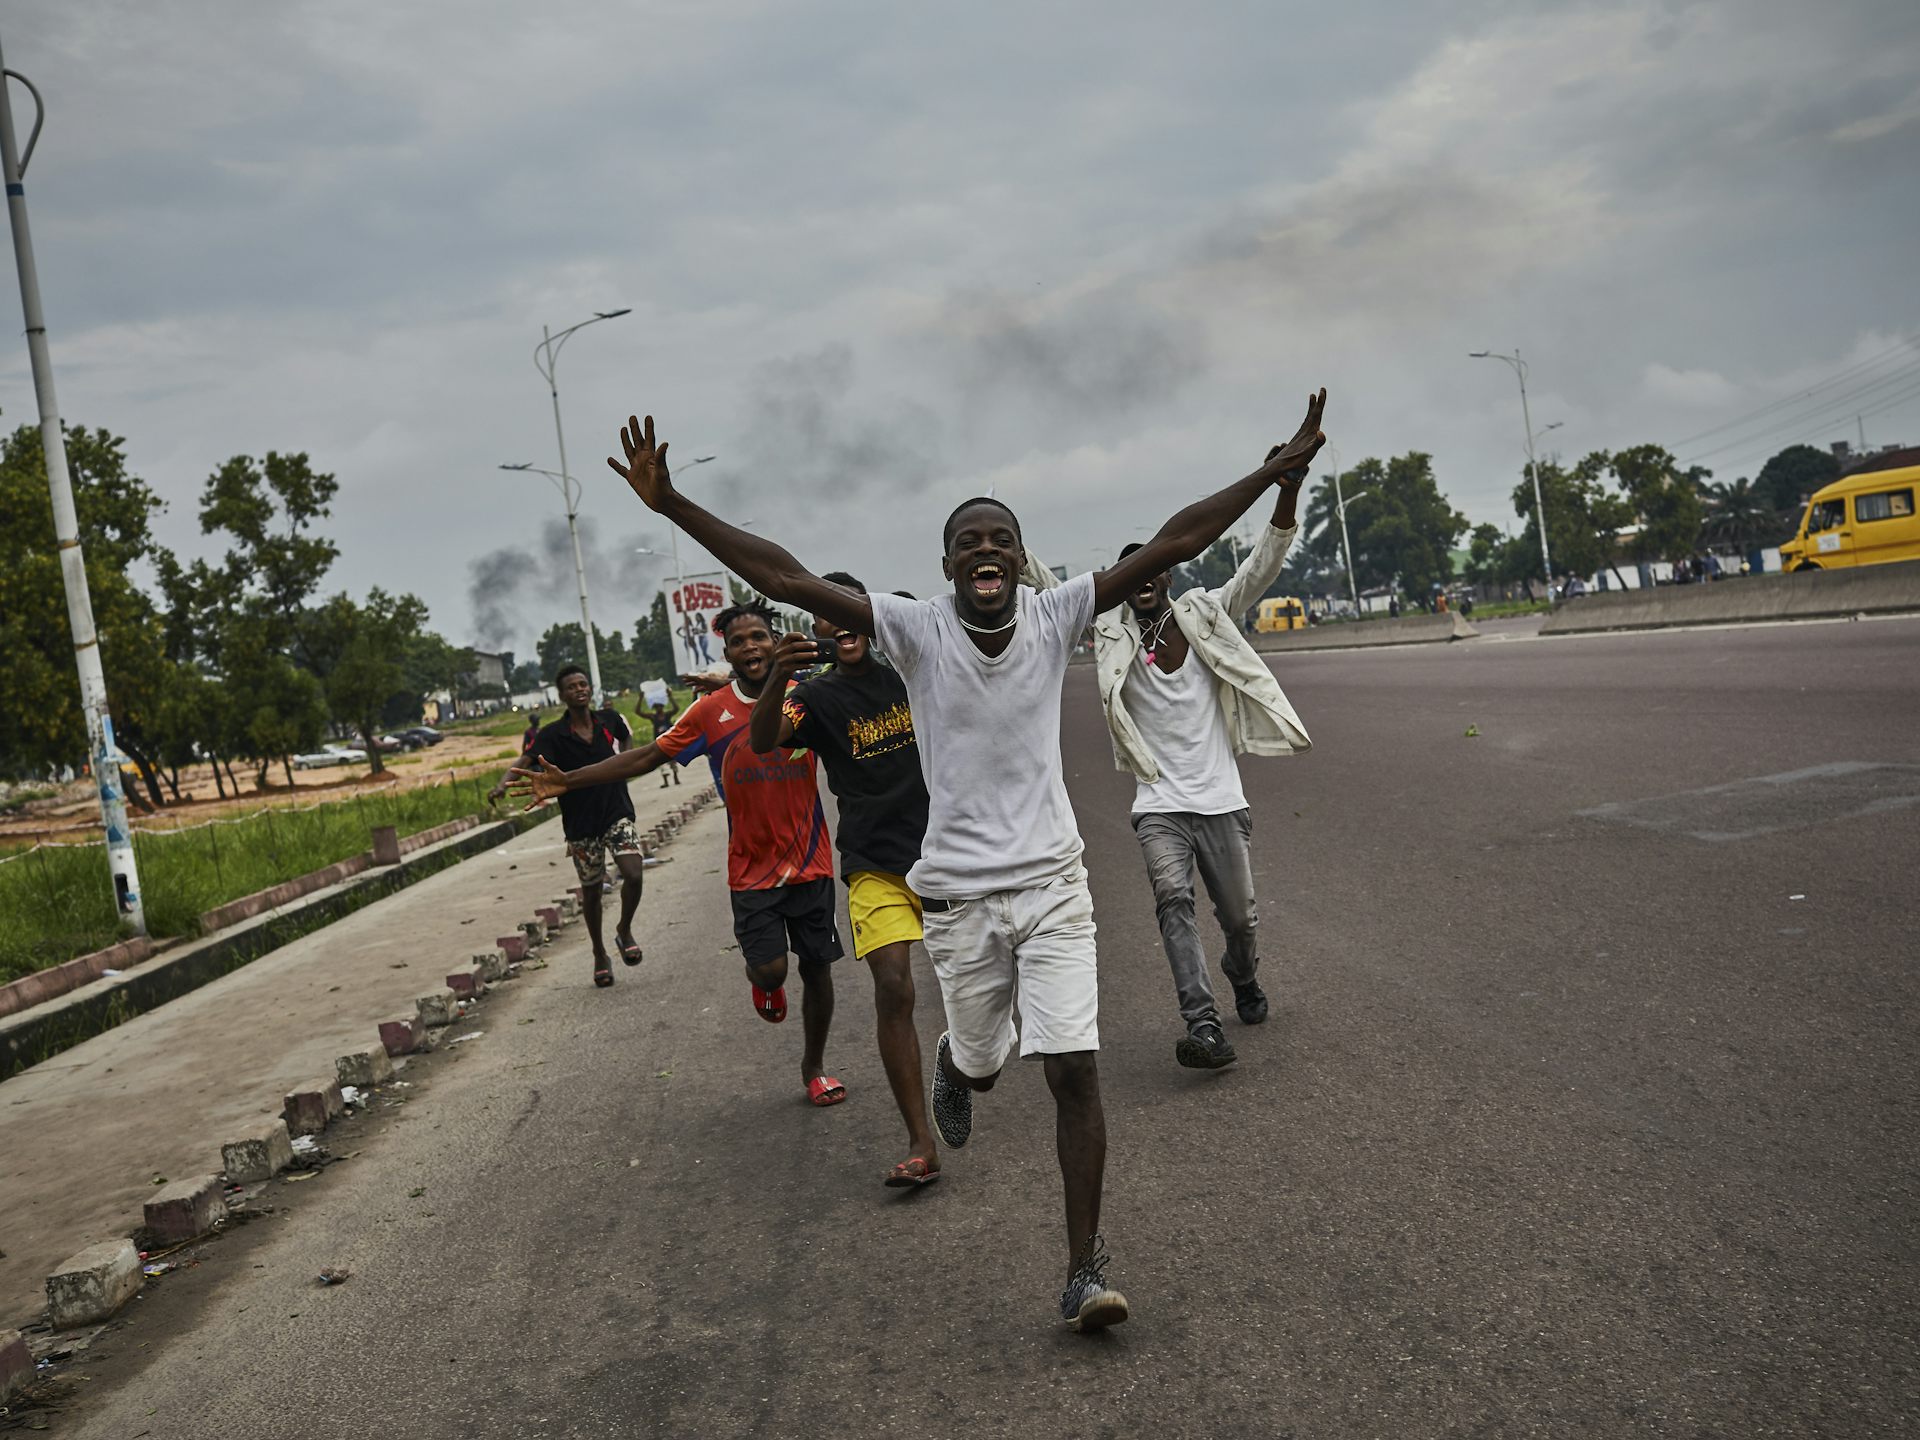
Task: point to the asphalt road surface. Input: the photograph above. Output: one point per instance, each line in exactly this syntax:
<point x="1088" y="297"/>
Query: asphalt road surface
<point x="1587" y="1108"/>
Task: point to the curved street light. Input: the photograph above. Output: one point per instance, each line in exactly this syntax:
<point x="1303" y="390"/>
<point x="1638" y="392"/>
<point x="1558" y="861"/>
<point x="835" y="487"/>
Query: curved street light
<point x="546" y="356"/>
<point x="1533" y="470"/>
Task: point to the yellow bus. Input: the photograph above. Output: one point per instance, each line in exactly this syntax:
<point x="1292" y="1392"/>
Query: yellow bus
<point x="1863" y="519"/>
<point x="1283" y="612"/>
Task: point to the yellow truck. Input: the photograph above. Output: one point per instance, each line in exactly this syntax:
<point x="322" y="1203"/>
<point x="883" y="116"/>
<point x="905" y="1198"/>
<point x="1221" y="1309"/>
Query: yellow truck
<point x="1283" y="612"/>
<point x="1863" y="519"/>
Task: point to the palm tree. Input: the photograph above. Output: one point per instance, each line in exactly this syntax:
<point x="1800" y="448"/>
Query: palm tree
<point x="1739" y="518"/>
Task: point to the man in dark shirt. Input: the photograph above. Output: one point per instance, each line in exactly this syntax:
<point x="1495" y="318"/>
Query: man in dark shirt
<point x="856" y="720"/>
<point x="597" y="820"/>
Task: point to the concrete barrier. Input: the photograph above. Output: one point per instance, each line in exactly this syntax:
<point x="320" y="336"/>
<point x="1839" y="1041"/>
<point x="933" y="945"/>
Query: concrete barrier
<point x="1803" y="595"/>
<point x="1354" y="634"/>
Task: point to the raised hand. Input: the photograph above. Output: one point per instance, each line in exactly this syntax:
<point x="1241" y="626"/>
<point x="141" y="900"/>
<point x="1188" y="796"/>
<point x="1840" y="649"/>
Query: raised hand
<point x="1288" y="463"/>
<point x="549" y="782"/>
<point x="646" y="468"/>
<point x="706" y="682"/>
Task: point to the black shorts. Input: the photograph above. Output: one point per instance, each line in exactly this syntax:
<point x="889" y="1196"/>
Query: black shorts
<point x="789" y="918"/>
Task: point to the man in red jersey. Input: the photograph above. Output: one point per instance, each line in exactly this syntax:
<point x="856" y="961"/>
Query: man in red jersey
<point x="779" y="856"/>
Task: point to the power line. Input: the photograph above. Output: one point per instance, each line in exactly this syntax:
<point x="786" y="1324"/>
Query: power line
<point x="1812" y="432"/>
<point x="1906" y="342"/>
<point x="1838" y="405"/>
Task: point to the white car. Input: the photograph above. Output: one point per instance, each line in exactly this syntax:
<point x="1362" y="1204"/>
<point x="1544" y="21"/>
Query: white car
<point x="331" y="755"/>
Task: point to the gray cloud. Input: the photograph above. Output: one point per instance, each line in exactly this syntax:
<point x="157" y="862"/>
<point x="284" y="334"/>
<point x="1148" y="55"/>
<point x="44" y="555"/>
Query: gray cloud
<point x="880" y="260"/>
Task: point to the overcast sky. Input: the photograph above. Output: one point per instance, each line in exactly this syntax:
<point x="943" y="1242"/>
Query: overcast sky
<point x="881" y="258"/>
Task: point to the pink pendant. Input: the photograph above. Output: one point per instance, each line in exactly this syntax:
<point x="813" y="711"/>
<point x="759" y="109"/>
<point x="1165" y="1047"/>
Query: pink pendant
<point x="1150" y="655"/>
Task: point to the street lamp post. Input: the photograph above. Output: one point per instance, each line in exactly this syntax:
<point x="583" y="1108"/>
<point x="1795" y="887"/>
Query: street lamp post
<point x="1340" y="504"/>
<point x="1533" y="470"/>
<point x="66" y="525"/>
<point x="545" y="356"/>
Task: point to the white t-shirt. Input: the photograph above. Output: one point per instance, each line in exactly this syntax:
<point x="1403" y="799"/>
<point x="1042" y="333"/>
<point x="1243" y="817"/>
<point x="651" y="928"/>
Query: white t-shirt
<point x="988" y="730"/>
<point x="1180" y="718"/>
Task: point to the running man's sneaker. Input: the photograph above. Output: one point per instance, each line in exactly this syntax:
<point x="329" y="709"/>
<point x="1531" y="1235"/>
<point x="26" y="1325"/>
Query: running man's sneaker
<point x="1088" y="1302"/>
<point x="952" y="1103"/>
<point x="1205" y="1048"/>
<point x="1251" y="1001"/>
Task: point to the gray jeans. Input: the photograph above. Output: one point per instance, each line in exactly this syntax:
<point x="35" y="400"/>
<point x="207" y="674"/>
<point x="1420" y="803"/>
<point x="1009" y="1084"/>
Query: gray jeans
<point x="1174" y="845"/>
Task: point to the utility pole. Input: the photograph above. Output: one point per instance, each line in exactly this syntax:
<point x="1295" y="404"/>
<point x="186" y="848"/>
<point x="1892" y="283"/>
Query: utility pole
<point x="1533" y="470"/>
<point x="66" y="524"/>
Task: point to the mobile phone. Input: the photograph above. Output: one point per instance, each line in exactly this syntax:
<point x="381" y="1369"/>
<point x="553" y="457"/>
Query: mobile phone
<point x="825" y="652"/>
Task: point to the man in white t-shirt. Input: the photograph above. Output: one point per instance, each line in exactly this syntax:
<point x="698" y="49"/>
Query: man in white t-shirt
<point x="1184" y="693"/>
<point x="1003" y="894"/>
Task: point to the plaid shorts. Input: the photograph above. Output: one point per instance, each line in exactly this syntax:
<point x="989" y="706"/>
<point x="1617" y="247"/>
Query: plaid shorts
<point x="590" y="856"/>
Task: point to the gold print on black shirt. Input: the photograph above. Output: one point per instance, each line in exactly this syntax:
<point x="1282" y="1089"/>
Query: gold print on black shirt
<point x="869" y="735"/>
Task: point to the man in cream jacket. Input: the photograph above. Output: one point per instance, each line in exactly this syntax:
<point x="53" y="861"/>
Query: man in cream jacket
<point x="1184" y="693"/>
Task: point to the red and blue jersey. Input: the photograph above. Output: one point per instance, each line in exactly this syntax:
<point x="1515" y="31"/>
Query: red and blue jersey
<point x="776" y="830"/>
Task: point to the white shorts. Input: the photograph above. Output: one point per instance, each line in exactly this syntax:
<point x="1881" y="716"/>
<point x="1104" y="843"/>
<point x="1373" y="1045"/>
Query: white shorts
<point x="1041" y="939"/>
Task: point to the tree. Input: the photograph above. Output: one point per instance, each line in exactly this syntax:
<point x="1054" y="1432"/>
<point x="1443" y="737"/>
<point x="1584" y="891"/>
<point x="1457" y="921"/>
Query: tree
<point x="526" y="676"/>
<point x="1787" y="480"/>
<point x="653" y="642"/>
<point x="41" y="722"/>
<point x="363" y="654"/>
<point x="1665" y="502"/>
<point x="1483" y="554"/>
<point x="563" y="644"/>
<point x="1405" y="531"/>
<point x="274" y="563"/>
<point x="1739" y="518"/>
<point x="1584" y="519"/>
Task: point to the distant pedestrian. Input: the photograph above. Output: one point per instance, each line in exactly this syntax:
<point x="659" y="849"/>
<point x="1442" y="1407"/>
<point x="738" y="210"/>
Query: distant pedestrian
<point x="531" y="733"/>
<point x="662" y="716"/>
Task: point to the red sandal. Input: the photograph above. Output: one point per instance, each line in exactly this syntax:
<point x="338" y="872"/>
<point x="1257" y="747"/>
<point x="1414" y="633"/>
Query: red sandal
<point x="825" y="1090"/>
<point x="772" y="1004"/>
<point x="911" y="1173"/>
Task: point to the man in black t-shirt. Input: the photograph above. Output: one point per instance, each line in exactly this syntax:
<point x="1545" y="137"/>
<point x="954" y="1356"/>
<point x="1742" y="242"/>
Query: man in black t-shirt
<point x="856" y="719"/>
<point x="598" y="819"/>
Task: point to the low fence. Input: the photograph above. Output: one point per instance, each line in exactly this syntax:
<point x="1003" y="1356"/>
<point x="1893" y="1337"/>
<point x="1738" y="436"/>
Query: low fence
<point x="1356" y="634"/>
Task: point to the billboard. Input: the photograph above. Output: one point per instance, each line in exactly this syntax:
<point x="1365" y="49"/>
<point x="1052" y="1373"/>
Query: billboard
<point x="692" y="603"/>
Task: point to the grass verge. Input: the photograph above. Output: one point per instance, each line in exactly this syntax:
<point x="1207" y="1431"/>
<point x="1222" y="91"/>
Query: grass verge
<point x="56" y="902"/>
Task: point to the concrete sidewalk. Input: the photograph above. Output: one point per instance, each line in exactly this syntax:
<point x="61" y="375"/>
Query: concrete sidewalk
<point x="83" y="1135"/>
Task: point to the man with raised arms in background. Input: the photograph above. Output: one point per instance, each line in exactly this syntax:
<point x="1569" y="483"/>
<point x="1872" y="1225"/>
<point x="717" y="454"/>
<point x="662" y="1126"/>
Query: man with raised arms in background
<point x="1184" y="692"/>
<point x="1001" y="885"/>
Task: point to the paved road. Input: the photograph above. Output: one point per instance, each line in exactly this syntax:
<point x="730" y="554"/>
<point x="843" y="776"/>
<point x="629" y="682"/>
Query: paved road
<point x="1568" y="1123"/>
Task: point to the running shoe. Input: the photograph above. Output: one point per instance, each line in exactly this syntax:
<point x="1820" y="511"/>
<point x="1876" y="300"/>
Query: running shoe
<point x="952" y="1103"/>
<point x="1251" y="1001"/>
<point x="1088" y="1302"/>
<point x="1205" y="1048"/>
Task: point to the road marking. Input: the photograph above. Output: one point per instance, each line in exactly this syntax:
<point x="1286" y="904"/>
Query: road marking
<point x="1768" y="804"/>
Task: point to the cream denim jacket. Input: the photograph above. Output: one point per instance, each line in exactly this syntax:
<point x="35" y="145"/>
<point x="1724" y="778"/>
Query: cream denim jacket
<point x="1259" y="719"/>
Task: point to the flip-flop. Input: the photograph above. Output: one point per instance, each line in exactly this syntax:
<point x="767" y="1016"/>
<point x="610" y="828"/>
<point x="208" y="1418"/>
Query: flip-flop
<point x="602" y="972"/>
<point x="825" y="1090"/>
<point x="630" y="951"/>
<point x="912" y="1172"/>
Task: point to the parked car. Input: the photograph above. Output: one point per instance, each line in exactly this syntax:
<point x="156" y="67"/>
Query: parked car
<point x="424" y="734"/>
<point x="330" y="755"/>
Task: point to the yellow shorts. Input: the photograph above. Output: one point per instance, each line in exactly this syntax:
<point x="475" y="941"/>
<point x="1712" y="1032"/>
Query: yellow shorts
<point x="883" y="910"/>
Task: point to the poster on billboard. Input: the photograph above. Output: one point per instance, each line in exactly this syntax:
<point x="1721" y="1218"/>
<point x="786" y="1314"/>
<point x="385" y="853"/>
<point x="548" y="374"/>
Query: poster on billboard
<point x="692" y="603"/>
